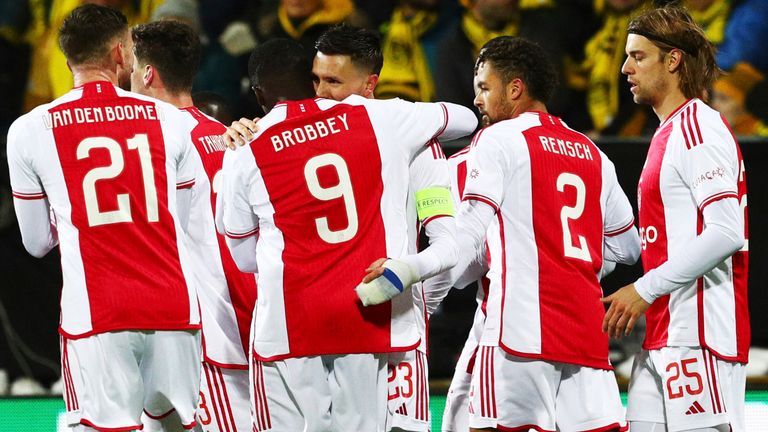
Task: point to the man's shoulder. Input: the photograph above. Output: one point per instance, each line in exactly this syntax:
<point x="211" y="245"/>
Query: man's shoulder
<point x="505" y="129"/>
<point x="698" y="125"/>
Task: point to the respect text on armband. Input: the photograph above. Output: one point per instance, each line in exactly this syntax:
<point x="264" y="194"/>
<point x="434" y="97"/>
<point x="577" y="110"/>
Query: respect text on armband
<point x="433" y="202"/>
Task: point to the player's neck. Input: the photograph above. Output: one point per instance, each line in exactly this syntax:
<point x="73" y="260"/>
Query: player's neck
<point x="669" y="104"/>
<point x="179" y="100"/>
<point x="531" y="105"/>
<point x="85" y="74"/>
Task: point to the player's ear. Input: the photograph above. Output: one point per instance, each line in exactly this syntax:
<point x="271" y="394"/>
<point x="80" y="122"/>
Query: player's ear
<point x="118" y="55"/>
<point x="370" y="85"/>
<point x="674" y="60"/>
<point x="515" y="89"/>
<point x="148" y="76"/>
<point x="262" y="99"/>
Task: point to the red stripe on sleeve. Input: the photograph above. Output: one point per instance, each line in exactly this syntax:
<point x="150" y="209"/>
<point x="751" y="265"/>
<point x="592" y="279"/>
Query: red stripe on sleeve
<point x="621" y="230"/>
<point x="29" y="196"/>
<point x="717" y="197"/>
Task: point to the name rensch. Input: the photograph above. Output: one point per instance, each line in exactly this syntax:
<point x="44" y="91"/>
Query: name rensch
<point x="566" y="148"/>
<point x="309" y="132"/>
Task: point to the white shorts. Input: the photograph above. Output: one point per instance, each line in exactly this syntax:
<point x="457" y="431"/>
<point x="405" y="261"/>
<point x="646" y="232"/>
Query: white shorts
<point x="112" y="380"/>
<point x="320" y="393"/>
<point x="686" y="388"/>
<point x="456" y="413"/>
<point x="408" y="395"/>
<point x="224" y="404"/>
<point x="515" y="393"/>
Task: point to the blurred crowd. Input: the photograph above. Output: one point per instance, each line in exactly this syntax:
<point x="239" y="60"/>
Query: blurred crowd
<point x="429" y="48"/>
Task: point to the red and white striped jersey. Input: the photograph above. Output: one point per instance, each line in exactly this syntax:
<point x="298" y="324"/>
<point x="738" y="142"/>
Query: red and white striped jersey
<point x="429" y="169"/>
<point x="556" y="195"/>
<point x="325" y="185"/>
<point x="693" y="161"/>
<point x="227" y="296"/>
<point x="109" y="162"/>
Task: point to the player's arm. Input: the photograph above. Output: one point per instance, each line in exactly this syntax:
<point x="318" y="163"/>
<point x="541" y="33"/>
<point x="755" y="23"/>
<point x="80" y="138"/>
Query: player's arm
<point x="188" y="166"/>
<point x="241" y="225"/>
<point x="430" y="179"/>
<point x="437" y="288"/>
<point x="474" y="217"/>
<point x="33" y="211"/>
<point x="460" y="121"/>
<point x="413" y="125"/>
<point x="723" y="233"/>
<point x="189" y="197"/>
<point x="722" y="237"/>
<point x="37" y="225"/>
<point x="621" y="241"/>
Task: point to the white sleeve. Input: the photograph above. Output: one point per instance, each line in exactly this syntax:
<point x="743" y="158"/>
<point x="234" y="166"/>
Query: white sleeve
<point x="219" y="212"/>
<point x="723" y="235"/>
<point x="460" y="122"/>
<point x="185" y="200"/>
<point x="622" y="243"/>
<point x="237" y="216"/>
<point x="33" y="212"/>
<point x="244" y="253"/>
<point x="240" y="223"/>
<point x="37" y="226"/>
<point x="186" y="158"/>
<point x="414" y="124"/>
<point x="442" y="252"/>
<point x="429" y="179"/>
<point x="710" y="170"/>
<point x="471" y="225"/>
<point x="486" y="165"/>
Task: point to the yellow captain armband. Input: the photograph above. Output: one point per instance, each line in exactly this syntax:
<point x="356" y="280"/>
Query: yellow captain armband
<point x="435" y="201"/>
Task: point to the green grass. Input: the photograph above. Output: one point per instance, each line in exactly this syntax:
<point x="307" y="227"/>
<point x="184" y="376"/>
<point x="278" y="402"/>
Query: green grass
<point x="41" y="414"/>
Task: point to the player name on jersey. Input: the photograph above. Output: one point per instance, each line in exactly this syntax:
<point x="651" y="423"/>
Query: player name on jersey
<point x="83" y="115"/>
<point x="566" y="148"/>
<point x="212" y="143"/>
<point x="319" y="129"/>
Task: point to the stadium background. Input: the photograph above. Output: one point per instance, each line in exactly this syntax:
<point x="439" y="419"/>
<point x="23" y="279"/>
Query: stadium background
<point x="29" y="288"/>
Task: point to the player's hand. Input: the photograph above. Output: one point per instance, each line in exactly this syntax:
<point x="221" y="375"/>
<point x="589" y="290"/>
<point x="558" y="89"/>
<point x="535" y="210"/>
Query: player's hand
<point x="374" y="270"/>
<point x="240" y="133"/>
<point x="384" y="280"/>
<point x="626" y="306"/>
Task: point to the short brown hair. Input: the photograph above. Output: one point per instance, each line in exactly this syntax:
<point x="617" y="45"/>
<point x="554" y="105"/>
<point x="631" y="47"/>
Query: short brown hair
<point x="671" y="27"/>
<point x="173" y="48"/>
<point x="86" y="33"/>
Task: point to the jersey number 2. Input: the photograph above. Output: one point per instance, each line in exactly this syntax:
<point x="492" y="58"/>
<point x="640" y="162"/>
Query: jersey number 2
<point x="342" y="190"/>
<point x="566" y="213"/>
<point x="97" y="217"/>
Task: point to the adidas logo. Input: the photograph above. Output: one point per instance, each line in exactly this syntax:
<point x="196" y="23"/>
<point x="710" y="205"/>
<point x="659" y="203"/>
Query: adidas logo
<point x="695" y="409"/>
<point x="403" y="411"/>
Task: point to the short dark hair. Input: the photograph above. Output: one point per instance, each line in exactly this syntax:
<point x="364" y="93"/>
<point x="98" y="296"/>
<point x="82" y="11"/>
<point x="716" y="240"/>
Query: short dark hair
<point x="515" y="57"/>
<point x="363" y="46"/>
<point x="672" y="27"/>
<point x="282" y="65"/>
<point x="85" y="35"/>
<point x="173" y="48"/>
